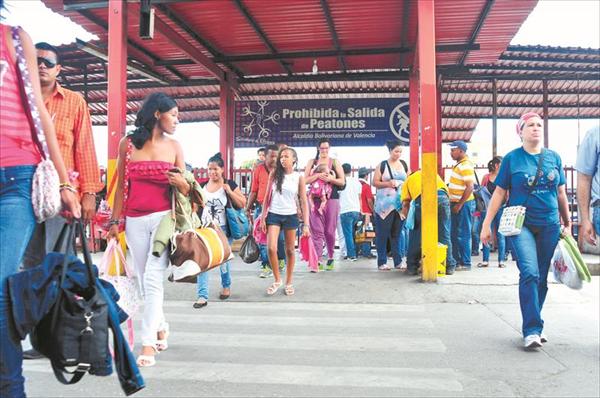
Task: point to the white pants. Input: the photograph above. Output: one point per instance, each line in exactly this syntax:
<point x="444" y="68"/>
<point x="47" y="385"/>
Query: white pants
<point x="340" y="238"/>
<point x="150" y="271"/>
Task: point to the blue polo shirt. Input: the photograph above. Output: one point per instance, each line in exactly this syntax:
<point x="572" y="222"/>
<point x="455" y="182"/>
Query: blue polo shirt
<point x="588" y="160"/>
<point x="516" y="175"/>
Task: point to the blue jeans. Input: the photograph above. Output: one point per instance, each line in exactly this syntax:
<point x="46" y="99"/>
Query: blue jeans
<point x="264" y="258"/>
<point x="16" y="226"/>
<point x="535" y="247"/>
<point x="403" y="241"/>
<point x="388" y="229"/>
<point x="202" y="281"/>
<point x="349" y="221"/>
<point x="461" y="233"/>
<point x="476" y="243"/>
<point x="414" y="238"/>
<point x="500" y="239"/>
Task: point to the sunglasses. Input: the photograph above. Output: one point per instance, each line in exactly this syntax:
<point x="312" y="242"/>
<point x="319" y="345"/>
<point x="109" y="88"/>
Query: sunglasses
<point x="48" y="63"/>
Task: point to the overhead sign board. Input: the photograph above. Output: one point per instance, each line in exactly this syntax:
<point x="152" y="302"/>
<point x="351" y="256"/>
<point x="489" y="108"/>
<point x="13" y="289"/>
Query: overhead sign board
<point x="345" y="122"/>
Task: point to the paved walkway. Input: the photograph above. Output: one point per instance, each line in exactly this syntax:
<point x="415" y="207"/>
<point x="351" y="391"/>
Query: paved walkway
<point x="361" y="332"/>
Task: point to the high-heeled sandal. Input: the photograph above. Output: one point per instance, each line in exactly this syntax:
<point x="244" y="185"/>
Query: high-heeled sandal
<point x="163" y="344"/>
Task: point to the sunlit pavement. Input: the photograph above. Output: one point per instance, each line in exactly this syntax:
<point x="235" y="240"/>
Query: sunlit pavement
<point x="356" y="331"/>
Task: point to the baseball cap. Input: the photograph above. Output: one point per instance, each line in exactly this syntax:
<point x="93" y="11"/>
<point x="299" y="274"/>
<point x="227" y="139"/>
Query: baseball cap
<point x="363" y="172"/>
<point x="459" y="144"/>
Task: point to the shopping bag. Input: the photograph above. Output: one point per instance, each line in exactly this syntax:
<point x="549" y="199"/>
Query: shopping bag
<point x="309" y="253"/>
<point x="582" y="268"/>
<point x="249" y="251"/>
<point x="259" y="235"/>
<point x="124" y="279"/>
<point x="563" y="267"/>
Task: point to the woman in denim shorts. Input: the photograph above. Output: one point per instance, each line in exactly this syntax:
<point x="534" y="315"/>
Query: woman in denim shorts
<point x="286" y="188"/>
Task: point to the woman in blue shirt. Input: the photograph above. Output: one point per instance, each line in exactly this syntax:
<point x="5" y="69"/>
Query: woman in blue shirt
<point x="546" y="203"/>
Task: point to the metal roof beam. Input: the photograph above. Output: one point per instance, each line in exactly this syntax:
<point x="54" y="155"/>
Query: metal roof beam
<point x="519" y="105"/>
<point x="345" y="53"/>
<point x="187" y="83"/>
<point x="333" y="32"/>
<point x="404" y="33"/>
<point x="176" y="39"/>
<point x="190" y="96"/>
<point x="133" y="48"/>
<point x="142" y="70"/>
<point x="180" y="22"/>
<point x="260" y="33"/>
<point x="79" y="6"/>
<point x="484" y="13"/>
<point x="449" y="90"/>
<point x="97" y="112"/>
<point x="515" y="116"/>
<point x="554" y="50"/>
<point x="534" y="68"/>
<point x="537" y="58"/>
<point x="399" y="75"/>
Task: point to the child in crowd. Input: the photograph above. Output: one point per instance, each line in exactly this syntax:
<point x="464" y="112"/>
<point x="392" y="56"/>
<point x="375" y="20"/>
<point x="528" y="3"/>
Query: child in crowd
<point x="320" y="189"/>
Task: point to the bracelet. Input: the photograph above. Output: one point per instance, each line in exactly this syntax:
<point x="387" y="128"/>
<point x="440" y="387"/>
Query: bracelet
<point x="114" y="222"/>
<point x="90" y="193"/>
<point x="68" y="187"/>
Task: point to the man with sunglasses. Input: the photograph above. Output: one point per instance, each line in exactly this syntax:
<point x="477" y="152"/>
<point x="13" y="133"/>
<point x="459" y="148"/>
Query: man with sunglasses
<point x="71" y="118"/>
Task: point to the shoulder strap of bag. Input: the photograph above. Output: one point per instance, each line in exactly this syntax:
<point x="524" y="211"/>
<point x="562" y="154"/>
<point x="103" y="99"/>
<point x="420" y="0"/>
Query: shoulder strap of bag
<point x="27" y="96"/>
<point x="537" y="176"/>
<point x="404" y="165"/>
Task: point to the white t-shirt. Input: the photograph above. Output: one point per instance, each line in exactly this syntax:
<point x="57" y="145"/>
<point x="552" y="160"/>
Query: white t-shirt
<point x="284" y="203"/>
<point x="350" y="196"/>
<point x="214" y="209"/>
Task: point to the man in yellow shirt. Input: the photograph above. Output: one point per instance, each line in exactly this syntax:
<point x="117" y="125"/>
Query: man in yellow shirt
<point x="462" y="202"/>
<point x="411" y="191"/>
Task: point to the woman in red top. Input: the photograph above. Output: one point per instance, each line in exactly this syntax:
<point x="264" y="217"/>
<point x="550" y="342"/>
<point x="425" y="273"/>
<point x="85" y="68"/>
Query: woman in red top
<point x="19" y="156"/>
<point x="154" y="163"/>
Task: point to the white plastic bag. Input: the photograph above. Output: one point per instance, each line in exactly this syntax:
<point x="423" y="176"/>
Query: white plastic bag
<point x="564" y="268"/>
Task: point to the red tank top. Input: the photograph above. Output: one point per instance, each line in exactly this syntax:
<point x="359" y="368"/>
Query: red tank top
<point x="149" y="189"/>
<point x="16" y="143"/>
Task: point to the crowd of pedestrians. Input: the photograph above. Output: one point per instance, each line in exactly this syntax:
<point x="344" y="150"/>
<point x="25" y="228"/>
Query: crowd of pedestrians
<point x="285" y="202"/>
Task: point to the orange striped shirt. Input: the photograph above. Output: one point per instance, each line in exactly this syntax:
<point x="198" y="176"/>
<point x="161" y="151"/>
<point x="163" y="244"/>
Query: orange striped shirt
<point x="71" y="118"/>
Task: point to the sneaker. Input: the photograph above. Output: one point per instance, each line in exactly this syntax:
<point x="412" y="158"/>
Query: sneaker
<point x="543" y="338"/>
<point x="449" y="271"/>
<point x="532" y="341"/>
<point x="32" y="354"/>
<point x="330" y="265"/>
<point x="353" y="258"/>
<point x="321" y="267"/>
<point x="281" y="265"/>
<point x="265" y="272"/>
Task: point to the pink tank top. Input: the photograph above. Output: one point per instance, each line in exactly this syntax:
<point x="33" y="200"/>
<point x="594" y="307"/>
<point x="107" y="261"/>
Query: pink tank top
<point x="16" y="143"/>
<point x="149" y="189"/>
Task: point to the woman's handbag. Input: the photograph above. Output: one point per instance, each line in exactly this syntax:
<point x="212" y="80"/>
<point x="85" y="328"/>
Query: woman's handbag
<point x="124" y="282"/>
<point x="237" y="222"/>
<point x="45" y="188"/>
<point x="513" y="217"/>
<point x="74" y="334"/>
<point x="249" y="251"/>
<point x="197" y="251"/>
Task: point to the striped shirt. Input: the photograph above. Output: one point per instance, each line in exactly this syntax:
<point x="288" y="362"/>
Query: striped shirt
<point x="71" y="118"/>
<point x="463" y="172"/>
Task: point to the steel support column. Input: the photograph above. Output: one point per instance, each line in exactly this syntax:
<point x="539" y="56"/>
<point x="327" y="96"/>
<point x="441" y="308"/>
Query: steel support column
<point x="494" y="118"/>
<point x="413" y="109"/>
<point x="226" y="127"/>
<point x="429" y="125"/>
<point x="545" y="107"/>
<point x="117" y="85"/>
<point x="438" y="143"/>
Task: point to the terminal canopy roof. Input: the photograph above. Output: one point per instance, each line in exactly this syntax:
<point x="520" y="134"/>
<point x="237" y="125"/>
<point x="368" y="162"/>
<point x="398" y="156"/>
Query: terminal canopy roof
<point x="361" y="48"/>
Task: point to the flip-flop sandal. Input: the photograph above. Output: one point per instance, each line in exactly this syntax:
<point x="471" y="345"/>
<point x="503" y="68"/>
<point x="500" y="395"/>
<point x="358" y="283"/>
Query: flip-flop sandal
<point x="271" y="290"/>
<point x="384" y="268"/>
<point x="289" y="290"/>
<point x="482" y="265"/>
<point x="200" y="303"/>
<point x="145" y="361"/>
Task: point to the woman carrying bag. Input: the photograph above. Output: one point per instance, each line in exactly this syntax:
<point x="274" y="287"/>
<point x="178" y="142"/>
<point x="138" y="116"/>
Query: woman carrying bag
<point x="19" y="157"/>
<point x="149" y="167"/>
<point x="535" y="179"/>
<point x="219" y="193"/>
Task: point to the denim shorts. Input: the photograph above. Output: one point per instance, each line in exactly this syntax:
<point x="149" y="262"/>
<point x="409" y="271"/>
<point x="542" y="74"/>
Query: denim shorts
<point x="285" y="222"/>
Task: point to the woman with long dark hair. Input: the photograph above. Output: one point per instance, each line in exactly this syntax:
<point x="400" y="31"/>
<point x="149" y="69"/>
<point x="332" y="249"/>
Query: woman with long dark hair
<point x="323" y="223"/>
<point x="535" y="178"/>
<point x="154" y="167"/>
<point x="287" y="189"/>
<point x="219" y="194"/>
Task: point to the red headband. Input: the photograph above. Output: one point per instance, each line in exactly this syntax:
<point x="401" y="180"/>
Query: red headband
<point x="523" y="119"/>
